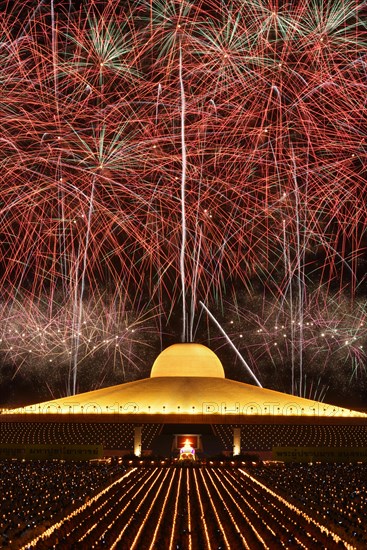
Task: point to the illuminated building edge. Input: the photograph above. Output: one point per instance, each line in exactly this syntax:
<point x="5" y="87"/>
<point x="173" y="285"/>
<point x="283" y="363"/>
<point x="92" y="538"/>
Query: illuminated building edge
<point x="201" y="389"/>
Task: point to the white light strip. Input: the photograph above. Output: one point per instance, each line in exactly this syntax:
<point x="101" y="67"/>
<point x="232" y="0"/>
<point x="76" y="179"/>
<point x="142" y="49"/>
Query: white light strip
<point x="231" y="344"/>
<point x="188" y="508"/>
<point x="202" y="515"/>
<point x="175" y="512"/>
<point x="163" y="509"/>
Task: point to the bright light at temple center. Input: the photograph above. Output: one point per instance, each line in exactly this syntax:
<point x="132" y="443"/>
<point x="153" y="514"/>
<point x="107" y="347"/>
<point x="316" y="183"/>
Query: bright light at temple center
<point x="187" y="452"/>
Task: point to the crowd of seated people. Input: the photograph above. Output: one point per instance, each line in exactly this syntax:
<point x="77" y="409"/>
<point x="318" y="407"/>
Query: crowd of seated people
<point x="120" y="436"/>
<point x="100" y="503"/>
<point x="34" y="493"/>
<point x="265" y="437"/>
<point x="335" y="494"/>
<point x="110" y="435"/>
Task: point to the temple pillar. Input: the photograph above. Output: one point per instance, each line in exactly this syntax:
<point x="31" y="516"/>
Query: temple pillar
<point x="137" y="440"/>
<point x="236" y="441"/>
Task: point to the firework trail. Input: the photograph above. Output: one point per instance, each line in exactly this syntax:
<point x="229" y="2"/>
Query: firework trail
<point x="232" y="345"/>
<point x="334" y="336"/>
<point x="183" y="199"/>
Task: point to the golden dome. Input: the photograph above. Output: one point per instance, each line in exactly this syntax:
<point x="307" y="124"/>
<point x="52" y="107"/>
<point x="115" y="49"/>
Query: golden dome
<point x="188" y="379"/>
<point x="187" y="360"/>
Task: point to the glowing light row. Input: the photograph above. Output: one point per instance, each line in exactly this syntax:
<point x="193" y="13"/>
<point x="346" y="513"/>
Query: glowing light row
<point x="121" y="512"/>
<point x="260" y="503"/>
<point x="188" y="506"/>
<point x="202" y="515"/>
<point x="296" y="510"/>
<point x="113" y="507"/>
<point x="245" y="517"/>
<point x="163" y="508"/>
<point x="143" y="486"/>
<point x="149" y="511"/>
<point x="218" y="487"/>
<point x="174" y="519"/>
<point x="74" y="513"/>
<point x="214" y="508"/>
<point x="315" y="496"/>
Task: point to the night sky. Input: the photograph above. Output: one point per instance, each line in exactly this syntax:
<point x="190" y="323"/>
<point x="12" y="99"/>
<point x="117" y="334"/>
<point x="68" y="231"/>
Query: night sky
<point x="158" y="154"/>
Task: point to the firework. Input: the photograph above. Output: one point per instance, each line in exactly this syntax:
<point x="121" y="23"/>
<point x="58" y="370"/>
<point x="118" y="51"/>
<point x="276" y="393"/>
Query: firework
<point x="177" y="152"/>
